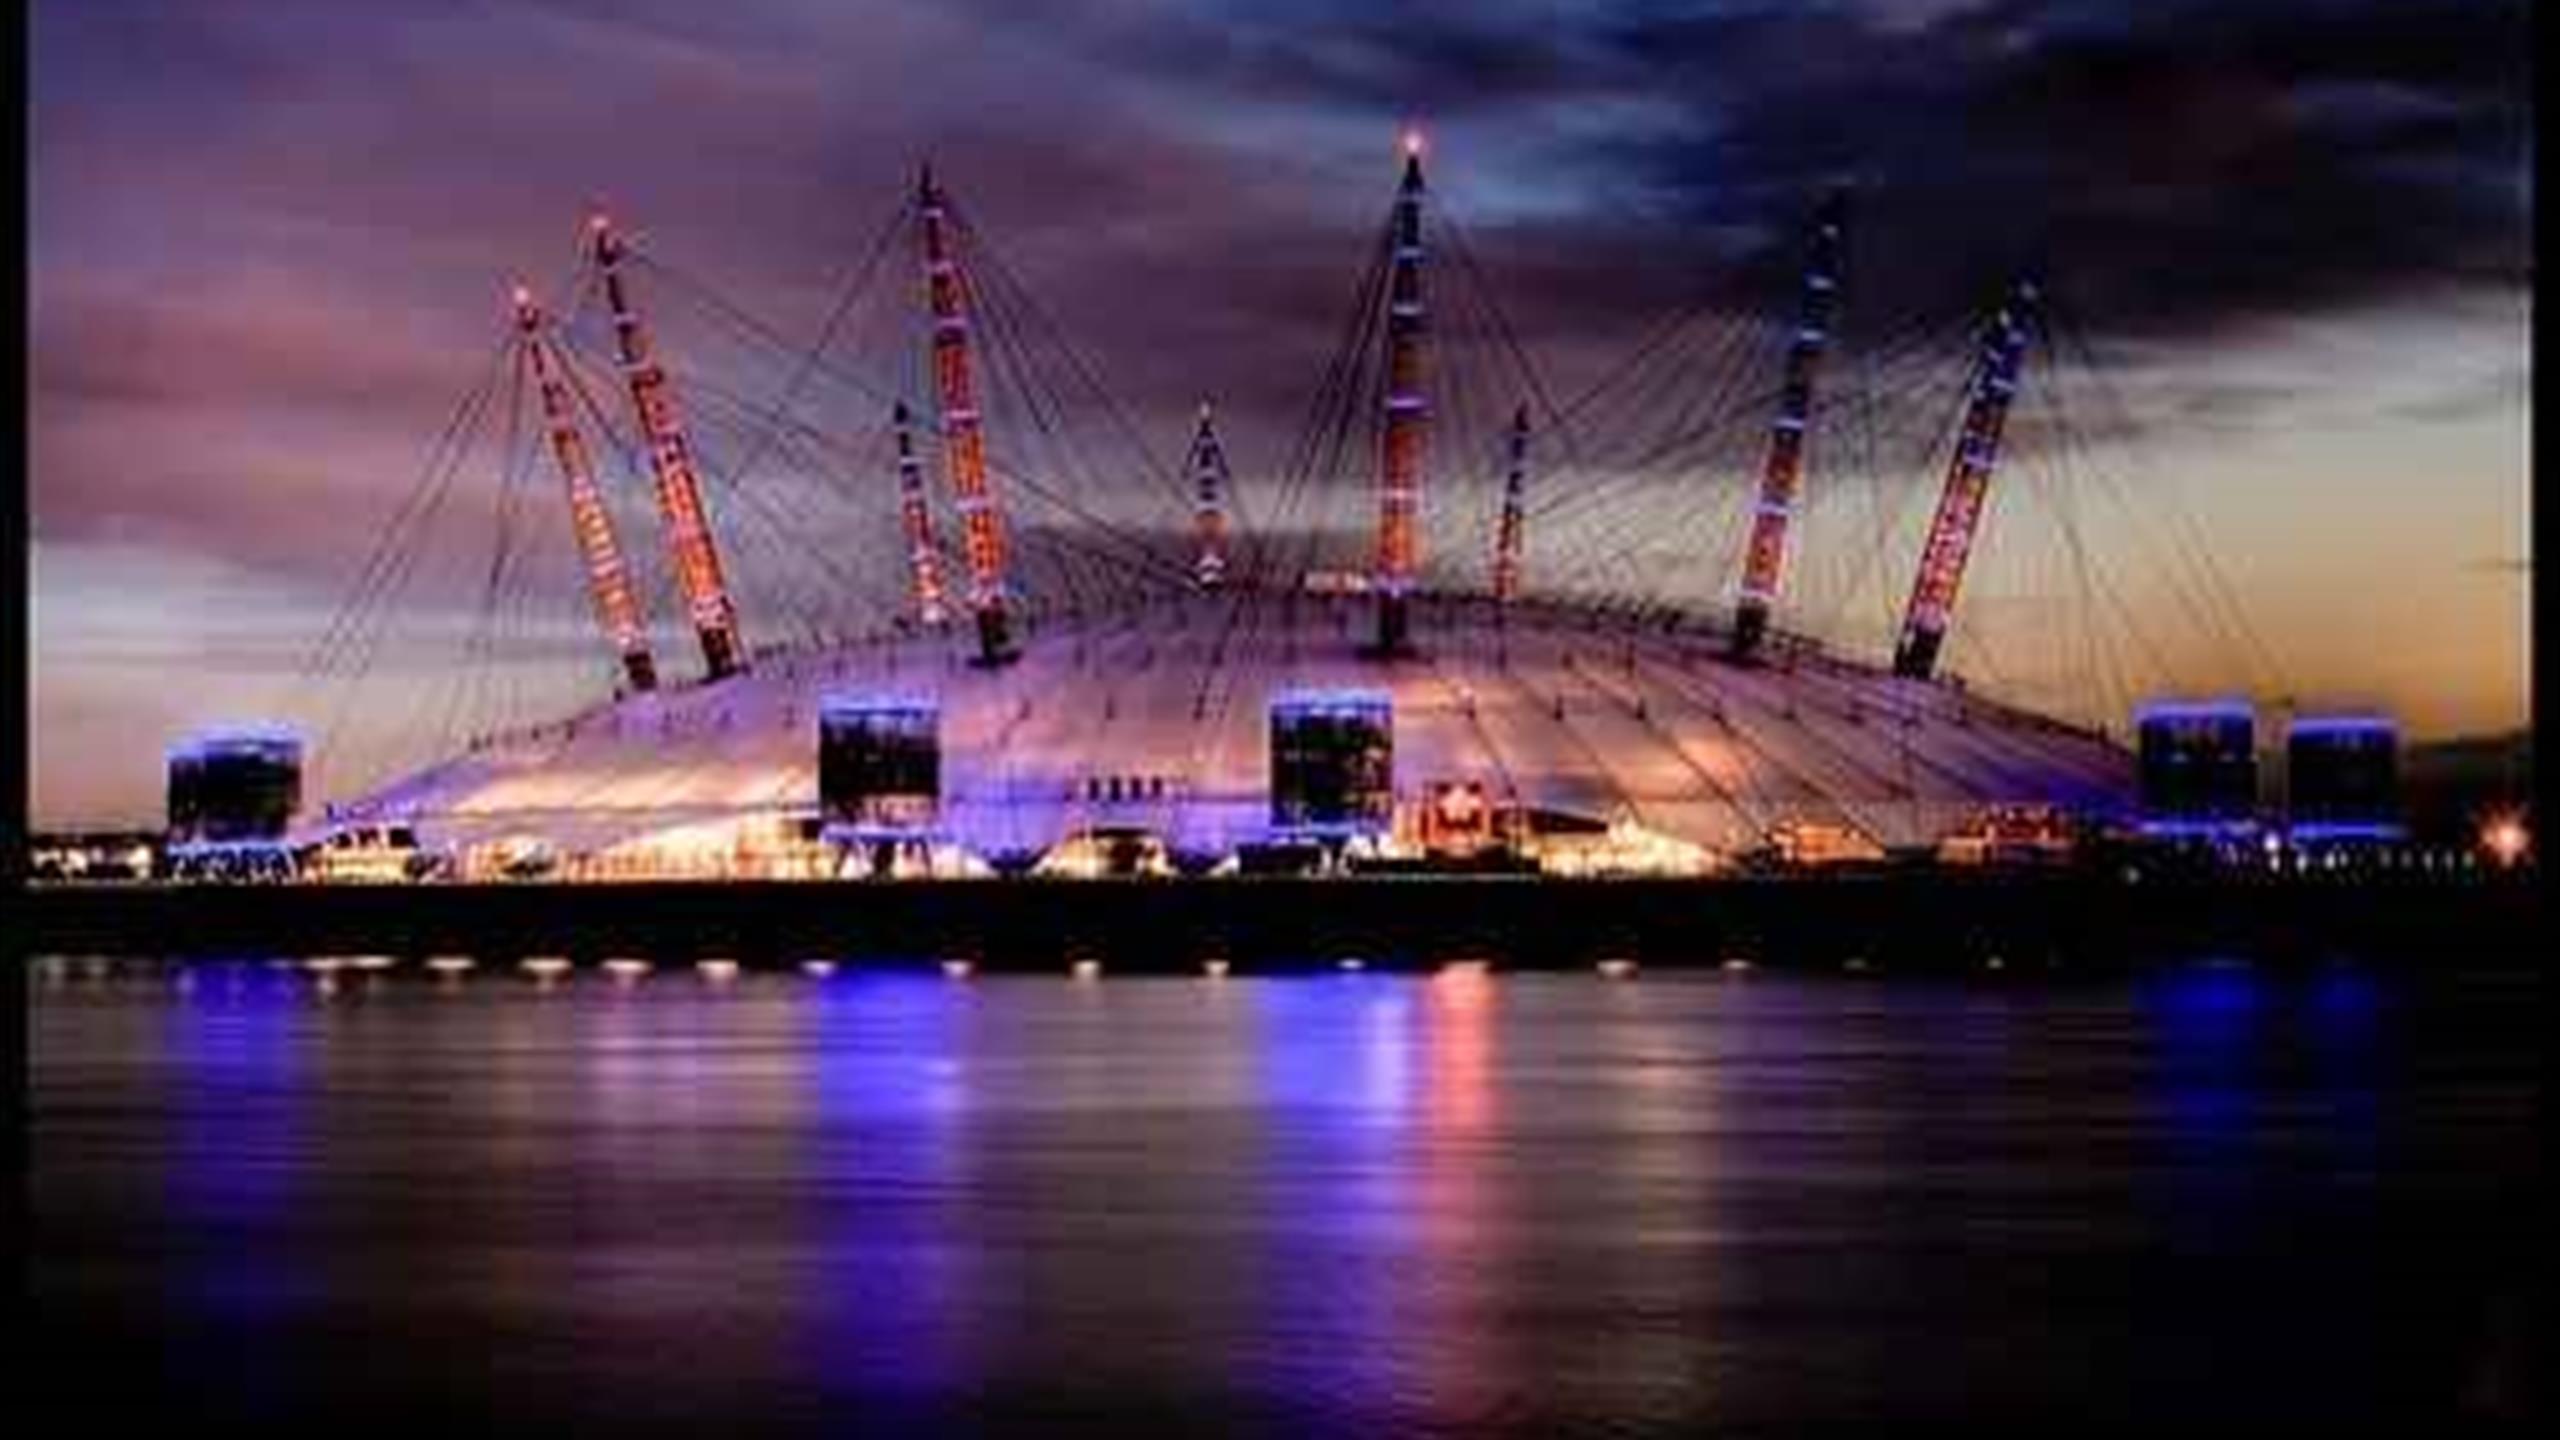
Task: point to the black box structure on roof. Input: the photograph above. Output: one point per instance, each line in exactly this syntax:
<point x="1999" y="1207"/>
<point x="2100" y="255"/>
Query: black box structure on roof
<point x="2198" y="767"/>
<point x="2342" y="778"/>
<point x="230" y="787"/>
<point x="1333" y="763"/>
<point x="879" y="766"/>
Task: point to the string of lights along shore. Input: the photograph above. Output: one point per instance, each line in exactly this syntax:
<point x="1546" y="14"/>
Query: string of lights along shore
<point x="1423" y="638"/>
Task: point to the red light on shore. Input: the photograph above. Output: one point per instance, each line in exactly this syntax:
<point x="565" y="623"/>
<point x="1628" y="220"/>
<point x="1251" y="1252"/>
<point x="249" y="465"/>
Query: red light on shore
<point x="2506" y="839"/>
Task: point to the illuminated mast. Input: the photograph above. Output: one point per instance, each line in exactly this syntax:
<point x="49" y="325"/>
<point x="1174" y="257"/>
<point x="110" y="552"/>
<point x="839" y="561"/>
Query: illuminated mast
<point x="689" y="545"/>
<point x="1933" y="592"/>
<point x="1400" y="452"/>
<point x="1208" y="503"/>
<point x="1784" y="471"/>
<point x="924" y="561"/>
<point x="964" y="454"/>
<point x="1506" y="536"/>
<point x="617" y="607"/>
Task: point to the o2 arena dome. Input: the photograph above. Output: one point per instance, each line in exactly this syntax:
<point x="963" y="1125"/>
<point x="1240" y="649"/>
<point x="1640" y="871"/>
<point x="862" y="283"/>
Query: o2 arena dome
<point x="1226" y="703"/>
<point x="1543" y="730"/>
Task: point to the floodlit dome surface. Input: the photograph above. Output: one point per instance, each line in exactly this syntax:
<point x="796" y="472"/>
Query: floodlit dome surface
<point x="1558" y="709"/>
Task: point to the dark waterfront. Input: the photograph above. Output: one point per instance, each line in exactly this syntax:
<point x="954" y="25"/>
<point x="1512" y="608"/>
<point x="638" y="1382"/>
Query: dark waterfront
<point x="1533" y="1204"/>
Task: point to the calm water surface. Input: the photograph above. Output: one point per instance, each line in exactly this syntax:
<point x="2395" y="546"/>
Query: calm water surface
<point x="1540" y="1204"/>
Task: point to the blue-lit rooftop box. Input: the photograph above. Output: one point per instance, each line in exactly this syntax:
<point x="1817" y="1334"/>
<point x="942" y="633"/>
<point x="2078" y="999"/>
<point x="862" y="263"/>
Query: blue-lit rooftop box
<point x="234" y="787"/>
<point x="1332" y="763"/>
<point x="2198" y="763"/>
<point x="879" y="766"/>
<point x="2342" y="779"/>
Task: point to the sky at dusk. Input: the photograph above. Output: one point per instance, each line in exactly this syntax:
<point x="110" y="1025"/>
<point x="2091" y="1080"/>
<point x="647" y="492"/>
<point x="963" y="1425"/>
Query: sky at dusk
<point x="269" y="240"/>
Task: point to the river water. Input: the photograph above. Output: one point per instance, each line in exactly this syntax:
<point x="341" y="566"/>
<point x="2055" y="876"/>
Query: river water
<point x="889" y="1200"/>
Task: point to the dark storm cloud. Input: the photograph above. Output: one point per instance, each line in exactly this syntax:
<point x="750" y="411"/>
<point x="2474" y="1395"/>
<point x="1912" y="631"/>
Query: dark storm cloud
<point x="2172" y="166"/>
<point x="269" y="237"/>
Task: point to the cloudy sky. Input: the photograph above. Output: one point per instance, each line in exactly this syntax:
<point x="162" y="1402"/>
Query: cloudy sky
<point x="268" y="238"/>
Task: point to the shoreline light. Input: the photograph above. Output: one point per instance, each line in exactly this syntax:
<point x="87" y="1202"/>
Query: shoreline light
<point x="2506" y="839"/>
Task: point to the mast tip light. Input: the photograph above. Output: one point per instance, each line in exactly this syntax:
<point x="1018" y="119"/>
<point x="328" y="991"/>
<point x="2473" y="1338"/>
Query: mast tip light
<point x="1412" y="143"/>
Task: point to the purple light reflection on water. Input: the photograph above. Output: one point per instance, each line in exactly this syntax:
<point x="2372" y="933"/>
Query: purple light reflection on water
<point x="234" y="1160"/>
<point x="1349" y="1202"/>
<point x="892" y="1282"/>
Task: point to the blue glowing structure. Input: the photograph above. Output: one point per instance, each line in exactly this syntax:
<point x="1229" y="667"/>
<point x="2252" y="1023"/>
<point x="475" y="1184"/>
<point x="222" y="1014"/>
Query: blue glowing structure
<point x="2198" y="766"/>
<point x="879" y="767"/>
<point x="1332" y="763"/>
<point x="231" y="795"/>
<point x="2342" y="779"/>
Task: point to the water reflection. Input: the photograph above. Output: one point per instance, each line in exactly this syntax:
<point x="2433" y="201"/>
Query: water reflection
<point x="1352" y="1200"/>
<point x="893" y="1271"/>
<point x="234" y="1153"/>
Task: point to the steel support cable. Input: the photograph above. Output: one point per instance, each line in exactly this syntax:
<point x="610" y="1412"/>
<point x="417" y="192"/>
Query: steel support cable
<point x="1486" y="396"/>
<point x="1935" y="448"/>
<point x="1079" y="365"/>
<point x="1635" y="498"/>
<point x="1013" y="476"/>
<point x="1335" y="413"/>
<point x="1007" y="379"/>
<point x="1757" y="403"/>
<point x="1737" y="418"/>
<point x="1670" y="425"/>
<point x="781" y="434"/>
<point x="1290" y="542"/>
<point x="1456" y="429"/>
<point x="405" y="548"/>
<point x="552" y="625"/>
<point x="1651" y="377"/>
<point x="653" y="579"/>
<point x="1476" y="289"/>
<point x="2198" y="607"/>
<point x="717" y="406"/>
<point x="475" y="643"/>
<point x="744" y="323"/>
<point x="1863" y="567"/>
<point x="1012" y="370"/>
<point x="628" y="448"/>
<point x="1010" y="376"/>
<point x="1722" y="408"/>
<point x="426" y="491"/>
<point x="2218" y="584"/>
<point x="882" y="549"/>
<point x="1832" y="469"/>
<point x="765" y="539"/>
<point x="521" y="642"/>
<point x="830" y="474"/>
<point x="1865" y="398"/>
<point x="2062" y="456"/>
<point x="781" y="539"/>
<point x="848" y="293"/>
<point x="2184" y="548"/>
<point x="1047" y="446"/>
